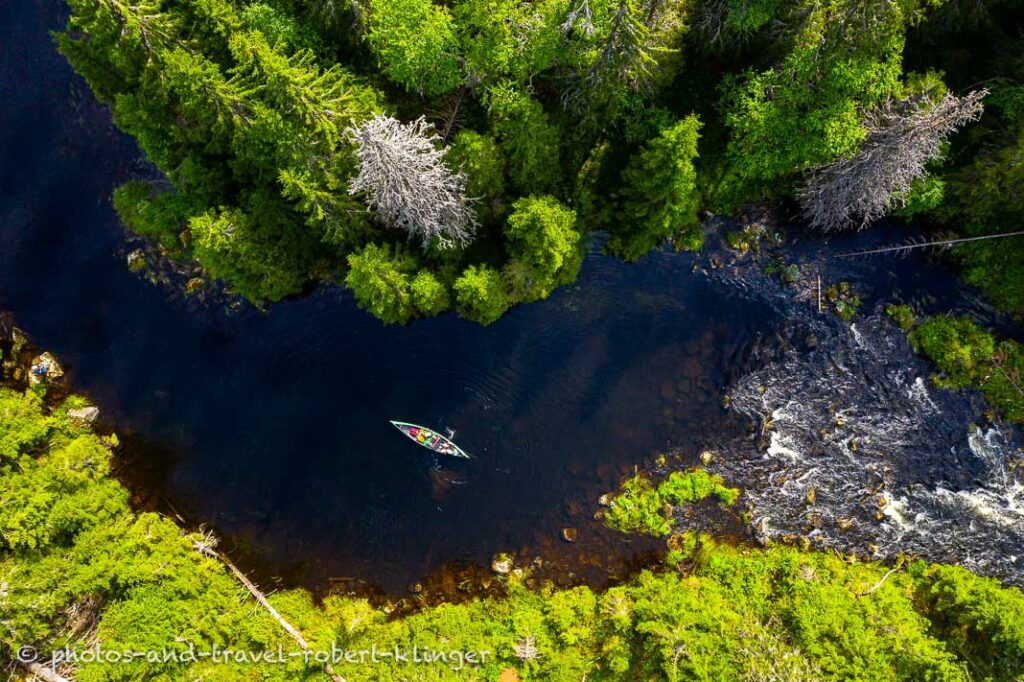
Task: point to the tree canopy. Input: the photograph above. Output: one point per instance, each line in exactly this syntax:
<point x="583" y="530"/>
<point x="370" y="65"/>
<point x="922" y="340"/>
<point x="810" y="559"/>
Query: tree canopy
<point x="259" y="115"/>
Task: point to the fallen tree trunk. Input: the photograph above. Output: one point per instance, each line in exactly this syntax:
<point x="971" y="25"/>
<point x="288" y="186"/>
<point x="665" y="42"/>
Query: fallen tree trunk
<point x="205" y="547"/>
<point x="42" y="672"/>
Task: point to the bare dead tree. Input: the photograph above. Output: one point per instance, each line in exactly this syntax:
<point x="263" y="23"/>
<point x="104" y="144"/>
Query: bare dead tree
<point x="579" y="18"/>
<point x="403" y="179"/>
<point x="526" y="648"/>
<point x="902" y="137"/>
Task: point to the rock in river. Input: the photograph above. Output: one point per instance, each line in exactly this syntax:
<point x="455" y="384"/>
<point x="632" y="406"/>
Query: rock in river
<point x="45" y="370"/>
<point x="502" y="564"/>
<point x="83" y="416"/>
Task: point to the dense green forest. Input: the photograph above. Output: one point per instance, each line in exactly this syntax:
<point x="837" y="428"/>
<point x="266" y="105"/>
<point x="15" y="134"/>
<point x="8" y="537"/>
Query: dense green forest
<point x="437" y="156"/>
<point x="80" y="571"/>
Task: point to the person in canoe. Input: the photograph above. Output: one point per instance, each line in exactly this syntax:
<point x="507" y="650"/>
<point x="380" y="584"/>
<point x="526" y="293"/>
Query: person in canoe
<point x="432" y="440"/>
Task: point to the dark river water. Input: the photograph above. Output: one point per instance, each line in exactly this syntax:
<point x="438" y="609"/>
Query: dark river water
<point x="273" y="427"/>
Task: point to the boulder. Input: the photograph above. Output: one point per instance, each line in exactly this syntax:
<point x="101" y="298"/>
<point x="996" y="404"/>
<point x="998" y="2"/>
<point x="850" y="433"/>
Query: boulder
<point x="45" y="370"/>
<point x="83" y="416"/>
<point x="136" y="260"/>
<point x="502" y="564"/>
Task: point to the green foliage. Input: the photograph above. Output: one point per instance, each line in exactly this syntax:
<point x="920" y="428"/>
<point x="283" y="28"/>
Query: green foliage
<point x="526" y="137"/>
<point x="277" y="27"/>
<point x="503" y="38"/>
<point x="416" y="44"/>
<point x="628" y="49"/>
<point x="261" y="265"/>
<point x="693" y="486"/>
<point x="152" y="214"/>
<point x="639" y="507"/>
<point x="429" y="295"/>
<point x="226" y="103"/>
<point x="661" y="198"/>
<point x="959" y="348"/>
<point x="807" y="110"/>
<point x="544" y="244"/>
<point x="478" y="157"/>
<point x="971" y="614"/>
<point x="247" y="109"/>
<point x="968" y="356"/>
<point x="22" y="429"/>
<point x="480" y="294"/>
<point x="382" y="283"/>
<point x="902" y="315"/>
<point x="925" y="195"/>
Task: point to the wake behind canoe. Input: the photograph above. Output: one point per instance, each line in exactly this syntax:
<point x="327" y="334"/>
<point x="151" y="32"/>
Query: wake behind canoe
<point x="430" y="439"/>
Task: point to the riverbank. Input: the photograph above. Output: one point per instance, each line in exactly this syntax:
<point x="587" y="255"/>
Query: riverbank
<point x="85" y="574"/>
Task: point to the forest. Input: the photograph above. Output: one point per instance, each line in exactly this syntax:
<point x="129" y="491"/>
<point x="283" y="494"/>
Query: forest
<point x="438" y="156"/>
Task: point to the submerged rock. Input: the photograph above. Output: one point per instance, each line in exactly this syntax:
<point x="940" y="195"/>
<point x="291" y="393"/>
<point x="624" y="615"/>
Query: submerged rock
<point x="18" y="341"/>
<point x="136" y="260"/>
<point x="502" y="564"/>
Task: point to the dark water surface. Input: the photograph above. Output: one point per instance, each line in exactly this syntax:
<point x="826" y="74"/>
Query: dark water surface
<point x="273" y="426"/>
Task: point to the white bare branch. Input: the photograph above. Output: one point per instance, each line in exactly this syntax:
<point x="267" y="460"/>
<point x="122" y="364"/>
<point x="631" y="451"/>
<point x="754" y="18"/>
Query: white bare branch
<point x="902" y="137"/>
<point x="403" y="179"/>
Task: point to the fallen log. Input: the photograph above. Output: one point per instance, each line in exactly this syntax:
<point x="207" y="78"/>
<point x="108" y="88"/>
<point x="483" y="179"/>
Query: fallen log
<point x="206" y="548"/>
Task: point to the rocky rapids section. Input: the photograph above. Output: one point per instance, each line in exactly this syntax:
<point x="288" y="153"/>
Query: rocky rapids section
<point x="851" y="446"/>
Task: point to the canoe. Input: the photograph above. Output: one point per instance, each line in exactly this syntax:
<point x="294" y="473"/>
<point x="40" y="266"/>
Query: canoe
<point x="431" y="440"/>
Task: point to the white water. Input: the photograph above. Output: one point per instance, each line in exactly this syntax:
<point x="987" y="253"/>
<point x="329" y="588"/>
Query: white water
<point x="895" y="465"/>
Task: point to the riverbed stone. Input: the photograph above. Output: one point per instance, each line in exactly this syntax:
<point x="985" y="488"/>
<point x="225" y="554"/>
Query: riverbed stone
<point x="136" y="260"/>
<point x="668" y="391"/>
<point x="45" y="370"/>
<point x="83" y="416"/>
<point x="18" y="342"/>
<point x="502" y="564"/>
<point x="570" y="534"/>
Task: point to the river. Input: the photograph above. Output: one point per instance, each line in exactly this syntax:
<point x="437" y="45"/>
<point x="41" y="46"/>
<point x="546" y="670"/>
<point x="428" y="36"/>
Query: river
<point x="272" y="427"/>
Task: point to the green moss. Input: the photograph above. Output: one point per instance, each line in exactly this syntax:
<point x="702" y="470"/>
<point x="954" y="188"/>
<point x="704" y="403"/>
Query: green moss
<point x="844" y="302"/>
<point x="693" y="486"/>
<point x="902" y="315"/>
